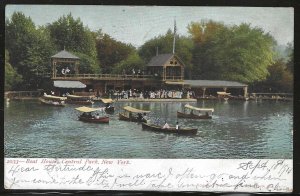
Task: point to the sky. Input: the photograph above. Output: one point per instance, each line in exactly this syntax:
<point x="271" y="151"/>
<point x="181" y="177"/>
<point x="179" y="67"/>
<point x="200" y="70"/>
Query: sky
<point x="138" y="24"/>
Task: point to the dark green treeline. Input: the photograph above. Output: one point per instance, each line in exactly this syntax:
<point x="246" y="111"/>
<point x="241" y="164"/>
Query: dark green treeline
<point x="212" y="50"/>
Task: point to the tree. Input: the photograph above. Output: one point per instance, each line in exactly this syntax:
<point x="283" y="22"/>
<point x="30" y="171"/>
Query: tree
<point x="12" y="78"/>
<point x="238" y="53"/>
<point x="111" y="52"/>
<point x="290" y="52"/>
<point x="203" y="31"/>
<point x="87" y="64"/>
<point x="29" y="49"/>
<point x="70" y="34"/>
<point x="132" y="62"/>
<point x="280" y="79"/>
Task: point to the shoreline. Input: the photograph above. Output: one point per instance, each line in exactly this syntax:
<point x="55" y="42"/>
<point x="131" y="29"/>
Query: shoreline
<point x="154" y="100"/>
<point x="162" y="100"/>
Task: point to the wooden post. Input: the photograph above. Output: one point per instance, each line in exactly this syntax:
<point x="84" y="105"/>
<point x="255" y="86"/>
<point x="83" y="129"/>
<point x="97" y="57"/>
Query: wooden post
<point x="245" y="91"/>
<point x="53" y="68"/>
<point x="76" y="68"/>
<point x="203" y="89"/>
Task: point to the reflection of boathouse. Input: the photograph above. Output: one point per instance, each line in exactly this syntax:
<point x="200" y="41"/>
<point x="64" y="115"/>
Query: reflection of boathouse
<point x="165" y="71"/>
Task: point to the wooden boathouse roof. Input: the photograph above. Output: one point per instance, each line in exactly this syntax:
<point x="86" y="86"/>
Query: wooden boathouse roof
<point x="214" y="83"/>
<point x="160" y="60"/>
<point x="64" y="55"/>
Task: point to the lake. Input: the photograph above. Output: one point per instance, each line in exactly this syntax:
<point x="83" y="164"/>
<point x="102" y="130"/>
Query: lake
<point x="238" y="130"/>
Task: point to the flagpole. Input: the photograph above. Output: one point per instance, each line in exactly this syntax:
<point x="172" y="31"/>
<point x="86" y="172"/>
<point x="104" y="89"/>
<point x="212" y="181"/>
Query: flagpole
<point x="174" y="36"/>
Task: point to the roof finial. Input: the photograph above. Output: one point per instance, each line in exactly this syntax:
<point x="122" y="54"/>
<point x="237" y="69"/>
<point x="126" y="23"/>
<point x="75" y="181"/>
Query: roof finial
<point x="174" y="35"/>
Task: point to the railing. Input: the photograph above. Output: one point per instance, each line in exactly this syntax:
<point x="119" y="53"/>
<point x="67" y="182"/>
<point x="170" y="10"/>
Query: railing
<point x="15" y="94"/>
<point x="103" y="76"/>
<point x="174" y="78"/>
<point x="113" y="76"/>
<point x="110" y="76"/>
<point x="272" y="94"/>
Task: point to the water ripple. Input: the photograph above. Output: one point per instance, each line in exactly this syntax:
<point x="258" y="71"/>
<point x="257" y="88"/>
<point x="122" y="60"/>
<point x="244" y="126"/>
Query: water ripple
<point x="237" y="130"/>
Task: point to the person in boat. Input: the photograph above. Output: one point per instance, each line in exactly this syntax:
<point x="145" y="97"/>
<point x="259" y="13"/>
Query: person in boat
<point x="97" y="116"/>
<point x="206" y="114"/>
<point x="166" y="126"/>
<point x="192" y="113"/>
<point x="130" y="115"/>
<point x="107" y="105"/>
<point x="89" y="115"/>
<point x="177" y="126"/>
<point x="145" y="117"/>
<point x="140" y="117"/>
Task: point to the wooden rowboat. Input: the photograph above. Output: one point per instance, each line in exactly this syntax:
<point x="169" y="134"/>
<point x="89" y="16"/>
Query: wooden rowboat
<point x="87" y="116"/>
<point x="224" y="95"/>
<point x="104" y="119"/>
<point x="182" y="131"/>
<point x="133" y="114"/>
<point x="52" y="100"/>
<point x="196" y="113"/>
<point x="82" y="100"/>
<point x="109" y="109"/>
<point x="193" y="116"/>
<point x="132" y="119"/>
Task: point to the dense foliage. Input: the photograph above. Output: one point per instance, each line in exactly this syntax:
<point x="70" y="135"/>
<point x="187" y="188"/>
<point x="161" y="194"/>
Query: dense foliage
<point x="29" y="48"/>
<point x="111" y="52"/>
<point x="212" y="50"/>
<point x="237" y="53"/>
<point x="133" y="62"/>
<point x="70" y="34"/>
<point x="12" y="78"/>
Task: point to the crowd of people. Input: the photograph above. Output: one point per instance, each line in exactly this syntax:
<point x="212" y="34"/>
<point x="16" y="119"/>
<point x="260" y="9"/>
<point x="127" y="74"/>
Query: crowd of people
<point x="157" y="94"/>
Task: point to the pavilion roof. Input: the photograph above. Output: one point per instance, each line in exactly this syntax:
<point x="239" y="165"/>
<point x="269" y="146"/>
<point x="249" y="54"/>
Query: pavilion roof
<point x="68" y="84"/>
<point x="64" y="55"/>
<point x="214" y="83"/>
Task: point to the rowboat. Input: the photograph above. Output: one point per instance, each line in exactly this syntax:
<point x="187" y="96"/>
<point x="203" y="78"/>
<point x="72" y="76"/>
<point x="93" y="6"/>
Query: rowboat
<point x="133" y="114"/>
<point x="180" y="130"/>
<point x="223" y="95"/>
<point x="52" y="100"/>
<point x="87" y="116"/>
<point x="108" y="105"/>
<point x="195" y="113"/>
<point x="82" y="100"/>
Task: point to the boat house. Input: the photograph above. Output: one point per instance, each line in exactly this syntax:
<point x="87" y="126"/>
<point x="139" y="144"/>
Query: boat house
<point x="167" y="67"/>
<point x="164" y="71"/>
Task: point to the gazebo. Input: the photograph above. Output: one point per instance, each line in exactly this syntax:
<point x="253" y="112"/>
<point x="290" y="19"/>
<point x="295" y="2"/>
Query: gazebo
<point x="61" y="59"/>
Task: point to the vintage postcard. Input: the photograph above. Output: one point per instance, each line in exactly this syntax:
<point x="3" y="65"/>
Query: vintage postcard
<point x="149" y="98"/>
